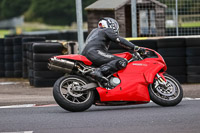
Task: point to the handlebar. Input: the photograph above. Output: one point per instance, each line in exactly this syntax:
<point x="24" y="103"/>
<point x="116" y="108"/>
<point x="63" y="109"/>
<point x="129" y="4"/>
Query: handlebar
<point x="136" y="56"/>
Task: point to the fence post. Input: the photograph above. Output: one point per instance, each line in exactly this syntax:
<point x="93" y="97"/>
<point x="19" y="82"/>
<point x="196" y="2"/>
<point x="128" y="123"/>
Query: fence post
<point x="177" y="32"/>
<point x="134" y="17"/>
<point x="79" y="20"/>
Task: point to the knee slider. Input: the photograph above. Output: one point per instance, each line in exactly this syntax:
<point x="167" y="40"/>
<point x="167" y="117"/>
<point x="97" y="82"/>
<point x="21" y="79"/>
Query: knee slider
<point x="122" y="64"/>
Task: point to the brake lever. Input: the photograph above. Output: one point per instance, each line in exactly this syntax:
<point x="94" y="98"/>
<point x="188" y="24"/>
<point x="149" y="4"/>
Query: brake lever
<point x="139" y="56"/>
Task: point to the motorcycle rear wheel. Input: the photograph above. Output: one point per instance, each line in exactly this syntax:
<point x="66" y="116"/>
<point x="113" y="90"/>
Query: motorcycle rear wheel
<point x="170" y="96"/>
<point x="70" y="100"/>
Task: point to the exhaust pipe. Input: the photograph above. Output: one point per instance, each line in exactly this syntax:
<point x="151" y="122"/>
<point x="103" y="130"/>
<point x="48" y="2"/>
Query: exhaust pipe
<point x="61" y="65"/>
<point x="60" y="69"/>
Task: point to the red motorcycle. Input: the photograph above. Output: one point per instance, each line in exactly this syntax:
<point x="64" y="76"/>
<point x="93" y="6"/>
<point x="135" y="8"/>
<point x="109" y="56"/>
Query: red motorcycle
<point x="143" y="79"/>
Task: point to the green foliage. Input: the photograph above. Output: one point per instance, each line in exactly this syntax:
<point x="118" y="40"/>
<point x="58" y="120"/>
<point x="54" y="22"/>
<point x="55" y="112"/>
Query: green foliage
<point x="51" y="12"/>
<point x="13" y="8"/>
<point x="54" y="12"/>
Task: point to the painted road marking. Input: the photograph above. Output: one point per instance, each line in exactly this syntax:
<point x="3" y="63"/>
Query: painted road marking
<point x="19" y="132"/>
<point x="27" y="105"/>
<point x="11" y="83"/>
<point x="18" y="106"/>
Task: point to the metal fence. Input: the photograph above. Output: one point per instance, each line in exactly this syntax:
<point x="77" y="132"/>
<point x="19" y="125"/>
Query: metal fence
<point x="181" y="17"/>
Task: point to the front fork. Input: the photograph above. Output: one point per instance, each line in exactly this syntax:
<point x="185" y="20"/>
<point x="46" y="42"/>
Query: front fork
<point x="161" y="79"/>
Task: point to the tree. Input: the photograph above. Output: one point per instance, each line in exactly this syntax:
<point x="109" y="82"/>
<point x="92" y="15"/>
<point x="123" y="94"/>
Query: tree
<point x="54" y="12"/>
<point x="13" y="8"/>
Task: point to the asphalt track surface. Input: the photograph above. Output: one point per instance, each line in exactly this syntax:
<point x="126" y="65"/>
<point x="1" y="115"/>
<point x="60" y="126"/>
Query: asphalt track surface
<point x="28" y="116"/>
<point x="146" y="118"/>
<point x="17" y="92"/>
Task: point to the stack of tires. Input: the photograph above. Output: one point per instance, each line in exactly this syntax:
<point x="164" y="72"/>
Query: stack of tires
<point x="17" y="56"/>
<point x="41" y="52"/>
<point x="26" y="43"/>
<point x="149" y="43"/>
<point x="193" y="60"/>
<point x="174" y="53"/>
<point x="29" y="62"/>
<point x="2" y="67"/>
<point x="9" y="62"/>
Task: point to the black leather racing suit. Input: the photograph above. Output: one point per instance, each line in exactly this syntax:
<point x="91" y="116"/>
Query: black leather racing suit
<point x="96" y="49"/>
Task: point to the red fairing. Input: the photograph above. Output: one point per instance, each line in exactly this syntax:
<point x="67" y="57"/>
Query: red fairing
<point x="131" y="88"/>
<point x="135" y="79"/>
<point x="76" y="57"/>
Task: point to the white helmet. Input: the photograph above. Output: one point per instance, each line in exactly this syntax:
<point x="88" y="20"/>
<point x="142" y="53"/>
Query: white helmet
<point x="109" y="23"/>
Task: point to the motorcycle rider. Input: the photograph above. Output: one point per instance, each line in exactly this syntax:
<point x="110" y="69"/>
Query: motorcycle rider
<point x="96" y="49"/>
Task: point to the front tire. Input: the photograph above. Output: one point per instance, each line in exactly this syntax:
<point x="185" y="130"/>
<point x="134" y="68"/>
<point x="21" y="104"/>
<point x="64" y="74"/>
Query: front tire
<point x="70" y="100"/>
<point x="169" y="96"/>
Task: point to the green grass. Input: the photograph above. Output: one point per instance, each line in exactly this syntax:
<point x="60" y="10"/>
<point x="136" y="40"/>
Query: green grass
<point x="39" y="26"/>
<point x="4" y="32"/>
<point x="31" y="26"/>
<point x="191" y="24"/>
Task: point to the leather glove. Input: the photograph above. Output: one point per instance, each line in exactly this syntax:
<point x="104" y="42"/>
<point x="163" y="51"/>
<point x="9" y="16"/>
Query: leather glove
<point x="140" y="50"/>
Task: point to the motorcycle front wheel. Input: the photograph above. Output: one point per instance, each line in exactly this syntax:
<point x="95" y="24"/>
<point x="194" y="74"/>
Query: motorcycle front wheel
<point x="170" y="94"/>
<point x="70" y="100"/>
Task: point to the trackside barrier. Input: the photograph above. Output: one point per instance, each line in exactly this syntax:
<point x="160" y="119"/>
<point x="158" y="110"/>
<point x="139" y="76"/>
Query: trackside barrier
<point x="27" y="57"/>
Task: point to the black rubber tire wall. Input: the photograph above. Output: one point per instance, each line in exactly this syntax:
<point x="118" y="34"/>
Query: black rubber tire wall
<point x="173" y="51"/>
<point x="193" y="59"/>
<point x="2" y="58"/>
<point x="171" y="43"/>
<point x="47" y="48"/>
<point x="193" y="42"/>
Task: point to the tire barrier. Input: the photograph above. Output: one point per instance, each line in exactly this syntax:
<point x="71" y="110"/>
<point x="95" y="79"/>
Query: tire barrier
<point x="174" y="53"/>
<point x="25" y="45"/>
<point x="41" y="52"/>
<point x="27" y="57"/>
<point x="148" y="43"/>
<point x="193" y="59"/>
<point x="2" y="67"/>
<point x="17" y="56"/>
<point x="8" y="57"/>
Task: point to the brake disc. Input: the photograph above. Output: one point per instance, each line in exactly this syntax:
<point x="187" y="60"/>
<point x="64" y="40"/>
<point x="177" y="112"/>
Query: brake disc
<point x="167" y="90"/>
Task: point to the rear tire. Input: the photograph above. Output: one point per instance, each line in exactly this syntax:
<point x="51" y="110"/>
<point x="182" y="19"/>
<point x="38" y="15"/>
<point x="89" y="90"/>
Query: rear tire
<point x="166" y="97"/>
<point x="70" y="100"/>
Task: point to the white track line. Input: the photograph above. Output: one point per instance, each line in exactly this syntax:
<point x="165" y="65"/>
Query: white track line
<point x="189" y="99"/>
<point x="19" y="106"/>
<point x="11" y="83"/>
<point x="19" y="132"/>
<point x="52" y="105"/>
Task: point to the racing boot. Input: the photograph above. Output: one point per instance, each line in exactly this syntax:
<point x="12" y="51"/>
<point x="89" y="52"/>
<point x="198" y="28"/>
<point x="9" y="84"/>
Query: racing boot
<point x="99" y="73"/>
